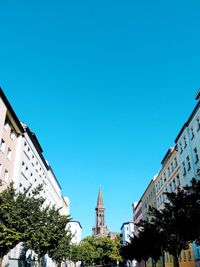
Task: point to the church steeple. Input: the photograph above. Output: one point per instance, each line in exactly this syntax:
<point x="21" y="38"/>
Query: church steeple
<point x="100" y="199"/>
<point x="100" y="228"/>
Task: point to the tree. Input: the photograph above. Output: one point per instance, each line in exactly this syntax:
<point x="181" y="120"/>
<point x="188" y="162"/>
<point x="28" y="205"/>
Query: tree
<point x="99" y="250"/>
<point x="46" y="231"/>
<point x="179" y="220"/>
<point x="63" y="249"/>
<point x="17" y="210"/>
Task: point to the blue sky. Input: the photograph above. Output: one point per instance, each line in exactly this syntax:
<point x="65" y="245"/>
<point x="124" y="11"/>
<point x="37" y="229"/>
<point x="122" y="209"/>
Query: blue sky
<point x="106" y="86"/>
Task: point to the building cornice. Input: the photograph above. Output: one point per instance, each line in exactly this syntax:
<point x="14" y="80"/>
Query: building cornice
<point x="11" y="111"/>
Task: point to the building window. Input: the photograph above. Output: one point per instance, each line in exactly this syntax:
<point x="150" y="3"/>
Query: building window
<point x="181" y="147"/>
<point x="2" y="145"/>
<point x="12" y="134"/>
<point x="6" y="123"/>
<point x="184" y="169"/>
<point x="196" y="156"/>
<point x="170" y="188"/>
<point x="174" y="185"/>
<point x="6" y="176"/>
<point x="192" y="132"/>
<point x="168" y="170"/>
<point x="9" y="155"/>
<point x="198" y="124"/>
<point x="172" y="166"/>
<point x="188" y="163"/>
<point x="164" y="177"/>
<point x="178" y="180"/>
<point x="175" y="162"/>
<point x="184" y="141"/>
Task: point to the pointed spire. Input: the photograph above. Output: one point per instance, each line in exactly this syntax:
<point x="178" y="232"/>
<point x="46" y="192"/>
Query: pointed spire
<point x="100" y="199"/>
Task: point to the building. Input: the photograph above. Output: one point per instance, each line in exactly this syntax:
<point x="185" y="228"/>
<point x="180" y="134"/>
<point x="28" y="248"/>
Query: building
<point x="137" y="215"/>
<point x="11" y="132"/>
<point x="188" y="147"/>
<point x="127" y="231"/>
<point x="100" y="228"/>
<point x="148" y="199"/>
<point x="76" y="230"/>
<point x="22" y="162"/>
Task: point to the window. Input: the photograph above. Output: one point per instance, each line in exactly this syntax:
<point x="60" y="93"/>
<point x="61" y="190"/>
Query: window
<point x="174" y="185"/>
<point x="181" y="148"/>
<point x="184" y="169"/>
<point x="196" y="156"/>
<point x="6" y="123"/>
<point x="9" y="155"/>
<point x="184" y="141"/>
<point x="170" y="188"/>
<point x="6" y="176"/>
<point x="12" y="134"/>
<point x="23" y="167"/>
<point x="192" y="132"/>
<point x="188" y="163"/>
<point x="168" y="170"/>
<point x="178" y="180"/>
<point x="2" y="145"/>
<point x="164" y="177"/>
<point x="175" y="162"/>
<point x="198" y="124"/>
<point x="172" y="166"/>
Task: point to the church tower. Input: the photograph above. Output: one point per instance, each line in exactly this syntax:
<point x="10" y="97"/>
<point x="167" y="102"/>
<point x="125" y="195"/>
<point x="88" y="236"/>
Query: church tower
<point x="100" y="228"/>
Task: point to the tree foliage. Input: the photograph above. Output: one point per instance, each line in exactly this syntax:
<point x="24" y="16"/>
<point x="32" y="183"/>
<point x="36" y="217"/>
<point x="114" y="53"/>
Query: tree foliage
<point x="170" y="229"/>
<point x="23" y="218"/>
<point x="99" y="250"/>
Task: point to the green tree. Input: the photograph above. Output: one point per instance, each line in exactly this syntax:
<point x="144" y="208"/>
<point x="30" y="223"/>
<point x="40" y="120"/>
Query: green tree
<point x="16" y="213"/>
<point x="100" y="251"/>
<point x="63" y="249"/>
<point x="46" y="231"/>
<point x="179" y="220"/>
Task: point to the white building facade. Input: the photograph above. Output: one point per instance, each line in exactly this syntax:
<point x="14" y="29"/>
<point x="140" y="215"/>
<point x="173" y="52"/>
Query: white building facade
<point x="76" y="230"/>
<point x="127" y="231"/>
<point x="22" y="162"/>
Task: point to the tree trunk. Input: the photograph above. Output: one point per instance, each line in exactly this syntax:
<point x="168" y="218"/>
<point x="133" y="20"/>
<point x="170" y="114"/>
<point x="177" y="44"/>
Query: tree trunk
<point x="163" y="257"/>
<point x="145" y="263"/>
<point x="58" y="264"/>
<point x="39" y="261"/>
<point x="175" y="260"/>
<point x="1" y="262"/>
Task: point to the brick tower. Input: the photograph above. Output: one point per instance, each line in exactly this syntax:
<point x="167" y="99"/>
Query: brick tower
<point x="100" y="228"/>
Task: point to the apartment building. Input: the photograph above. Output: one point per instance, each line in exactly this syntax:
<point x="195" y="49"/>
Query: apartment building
<point x="76" y="230"/>
<point x="180" y="164"/>
<point x="11" y="131"/>
<point x="148" y="199"/>
<point x="188" y="147"/>
<point x="22" y="162"/>
<point x="168" y="179"/>
<point x="127" y="231"/>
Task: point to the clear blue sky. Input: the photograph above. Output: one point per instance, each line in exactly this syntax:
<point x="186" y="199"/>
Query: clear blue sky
<point x="106" y="86"/>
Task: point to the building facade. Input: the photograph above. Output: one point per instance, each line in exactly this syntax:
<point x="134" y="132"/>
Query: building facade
<point x="22" y="162"/>
<point x="76" y="230"/>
